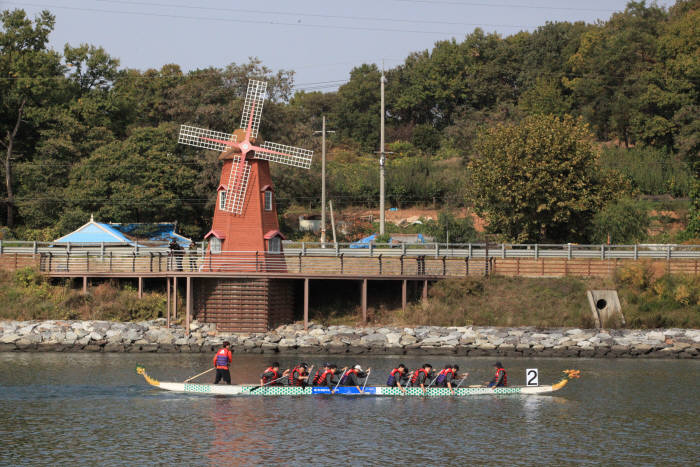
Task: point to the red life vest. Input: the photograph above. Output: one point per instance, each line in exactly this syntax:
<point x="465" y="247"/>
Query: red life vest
<point x="294" y="376"/>
<point x="222" y="359"/>
<point x="394" y="377"/>
<point x="321" y="377"/>
<point x="275" y="375"/>
<point x="505" y="376"/>
<point x="414" y="378"/>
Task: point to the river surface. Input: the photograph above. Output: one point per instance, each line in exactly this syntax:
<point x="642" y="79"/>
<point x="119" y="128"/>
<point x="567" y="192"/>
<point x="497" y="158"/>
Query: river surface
<point x="88" y="409"/>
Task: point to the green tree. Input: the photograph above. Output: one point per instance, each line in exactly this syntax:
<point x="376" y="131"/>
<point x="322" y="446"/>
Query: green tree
<point x="33" y="77"/>
<point x="448" y="227"/>
<point x="357" y="113"/>
<point x="621" y="222"/>
<point x="539" y="180"/>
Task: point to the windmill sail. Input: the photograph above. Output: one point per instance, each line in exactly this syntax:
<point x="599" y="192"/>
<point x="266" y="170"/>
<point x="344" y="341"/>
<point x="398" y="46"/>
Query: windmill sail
<point x="252" y="109"/>
<point x="283" y="154"/>
<point x="237" y="186"/>
<point x="203" y="138"/>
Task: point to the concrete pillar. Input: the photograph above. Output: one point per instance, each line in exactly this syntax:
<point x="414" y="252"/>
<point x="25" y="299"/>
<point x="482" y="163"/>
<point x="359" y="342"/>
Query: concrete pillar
<point x="364" y="300"/>
<point x="306" y="304"/>
<point x="188" y="304"/>
<point x="425" y="290"/>
<point x="174" y="297"/>
<point x="85" y="284"/>
<point x="167" y="292"/>
<point x="140" y="287"/>
<point x="403" y="294"/>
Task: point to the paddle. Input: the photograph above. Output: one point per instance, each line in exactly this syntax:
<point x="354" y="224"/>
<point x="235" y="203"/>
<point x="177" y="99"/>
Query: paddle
<point x="197" y="376"/>
<point x="339" y="380"/>
<point x="269" y="382"/>
<point x="366" y="378"/>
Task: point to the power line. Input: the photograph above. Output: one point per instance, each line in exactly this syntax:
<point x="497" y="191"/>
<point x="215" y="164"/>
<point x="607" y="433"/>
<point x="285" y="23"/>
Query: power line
<point x="246" y="21"/>
<point x="505" y="5"/>
<point x="312" y="15"/>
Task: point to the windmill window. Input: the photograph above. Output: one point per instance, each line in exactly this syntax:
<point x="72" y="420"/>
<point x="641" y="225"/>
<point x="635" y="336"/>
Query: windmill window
<point x="214" y="245"/>
<point x="222" y="200"/>
<point x="274" y="245"/>
<point x="268" y="200"/>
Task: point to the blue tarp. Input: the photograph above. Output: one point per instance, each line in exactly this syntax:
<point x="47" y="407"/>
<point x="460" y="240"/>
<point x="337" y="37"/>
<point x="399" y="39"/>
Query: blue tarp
<point x="364" y="243"/>
<point x="160" y="233"/>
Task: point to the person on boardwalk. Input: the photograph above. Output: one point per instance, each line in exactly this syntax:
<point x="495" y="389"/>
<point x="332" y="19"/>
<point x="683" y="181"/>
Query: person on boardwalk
<point x="272" y="375"/>
<point x="222" y="362"/>
<point x="422" y="376"/>
<point x="299" y="376"/>
<point x="500" y="379"/>
<point x="192" y="254"/>
<point x="352" y="377"/>
<point x="397" y="377"/>
<point x="177" y="253"/>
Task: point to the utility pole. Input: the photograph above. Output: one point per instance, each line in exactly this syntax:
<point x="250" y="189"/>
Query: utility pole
<point x="323" y="178"/>
<point x="382" y="160"/>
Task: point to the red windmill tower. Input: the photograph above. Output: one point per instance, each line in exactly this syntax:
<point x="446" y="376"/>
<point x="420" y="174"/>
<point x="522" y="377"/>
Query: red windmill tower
<point x="245" y="217"/>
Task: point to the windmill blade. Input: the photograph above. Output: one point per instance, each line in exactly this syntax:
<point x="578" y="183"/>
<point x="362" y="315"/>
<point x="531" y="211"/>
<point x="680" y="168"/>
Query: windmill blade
<point x="289" y="155"/>
<point x="202" y="138"/>
<point x="237" y="187"/>
<point x="252" y="108"/>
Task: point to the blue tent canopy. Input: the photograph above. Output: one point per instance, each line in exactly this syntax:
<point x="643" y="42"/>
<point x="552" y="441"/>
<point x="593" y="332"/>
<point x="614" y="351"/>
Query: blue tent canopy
<point x="141" y="234"/>
<point x="364" y="243"/>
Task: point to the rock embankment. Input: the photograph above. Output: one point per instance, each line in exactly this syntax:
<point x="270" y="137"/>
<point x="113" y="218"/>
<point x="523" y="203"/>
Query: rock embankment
<point x="153" y="336"/>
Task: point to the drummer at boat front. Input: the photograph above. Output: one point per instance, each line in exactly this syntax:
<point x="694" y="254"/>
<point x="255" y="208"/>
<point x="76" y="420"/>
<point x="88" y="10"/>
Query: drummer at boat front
<point x="500" y="379"/>
<point x="222" y="362"/>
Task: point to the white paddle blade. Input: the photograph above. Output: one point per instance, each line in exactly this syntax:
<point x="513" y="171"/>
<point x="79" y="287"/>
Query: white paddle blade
<point x="202" y="138"/>
<point x="283" y="154"/>
<point x="253" y="106"/>
<point x="237" y="187"/>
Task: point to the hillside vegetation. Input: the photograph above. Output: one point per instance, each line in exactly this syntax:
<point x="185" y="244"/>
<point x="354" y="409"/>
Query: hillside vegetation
<point x="598" y="114"/>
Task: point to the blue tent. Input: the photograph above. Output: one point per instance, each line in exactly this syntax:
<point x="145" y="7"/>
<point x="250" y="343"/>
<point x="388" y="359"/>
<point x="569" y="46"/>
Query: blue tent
<point x="135" y="234"/>
<point x="364" y="243"/>
<point x="95" y="232"/>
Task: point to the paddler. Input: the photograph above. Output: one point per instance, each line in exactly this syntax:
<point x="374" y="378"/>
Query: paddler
<point x="397" y="377"/>
<point x="421" y="376"/>
<point x="327" y="376"/>
<point x="448" y="375"/>
<point x="272" y="375"/>
<point x="352" y="377"/>
<point x="500" y="379"/>
<point x="222" y="362"/>
<point x="299" y="376"/>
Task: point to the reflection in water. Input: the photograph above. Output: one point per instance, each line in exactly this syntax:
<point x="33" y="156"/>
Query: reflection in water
<point x="94" y="409"/>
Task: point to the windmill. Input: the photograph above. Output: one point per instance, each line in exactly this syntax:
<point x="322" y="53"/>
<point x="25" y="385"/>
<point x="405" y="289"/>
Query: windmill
<point x="245" y="218"/>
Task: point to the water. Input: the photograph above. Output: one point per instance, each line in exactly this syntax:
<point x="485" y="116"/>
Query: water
<point x="92" y="409"/>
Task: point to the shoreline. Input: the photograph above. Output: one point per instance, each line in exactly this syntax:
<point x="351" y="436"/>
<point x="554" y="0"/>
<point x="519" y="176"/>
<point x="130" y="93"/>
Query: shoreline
<point x="153" y="336"/>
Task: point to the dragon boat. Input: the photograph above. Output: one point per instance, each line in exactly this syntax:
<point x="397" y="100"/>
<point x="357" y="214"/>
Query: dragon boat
<point x="253" y="390"/>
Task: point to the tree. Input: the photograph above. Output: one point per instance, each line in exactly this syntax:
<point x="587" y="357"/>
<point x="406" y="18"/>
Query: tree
<point x="620" y="222"/>
<point x="357" y="114"/>
<point x="34" y="74"/>
<point x="539" y="180"/>
<point x="448" y="227"/>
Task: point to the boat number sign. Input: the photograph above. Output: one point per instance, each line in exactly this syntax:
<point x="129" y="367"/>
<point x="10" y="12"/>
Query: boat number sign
<point x="532" y="377"/>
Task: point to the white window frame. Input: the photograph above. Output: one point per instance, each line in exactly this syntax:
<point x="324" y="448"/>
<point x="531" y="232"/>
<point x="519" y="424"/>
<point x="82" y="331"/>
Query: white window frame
<point x="267" y="200"/>
<point x="222" y="200"/>
<point x="274" y="244"/>
<point x="214" y="245"/>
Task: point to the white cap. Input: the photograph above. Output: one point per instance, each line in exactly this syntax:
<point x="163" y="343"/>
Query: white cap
<point x="358" y="367"/>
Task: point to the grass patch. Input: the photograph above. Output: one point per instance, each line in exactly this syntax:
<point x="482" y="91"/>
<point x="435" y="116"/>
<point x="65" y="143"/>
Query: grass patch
<point x="27" y="295"/>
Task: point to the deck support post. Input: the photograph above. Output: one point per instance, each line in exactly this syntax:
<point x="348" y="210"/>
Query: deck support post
<point x="140" y="287"/>
<point x="425" y="290"/>
<point x="306" y="304"/>
<point x="188" y="304"/>
<point x="85" y="281"/>
<point x="167" y="292"/>
<point x="174" y="297"/>
<point x="403" y="294"/>
<point x="364" y="300"/>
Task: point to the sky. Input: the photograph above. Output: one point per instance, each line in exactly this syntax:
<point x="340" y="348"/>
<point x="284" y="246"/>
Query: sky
<point x="320" y="40"/>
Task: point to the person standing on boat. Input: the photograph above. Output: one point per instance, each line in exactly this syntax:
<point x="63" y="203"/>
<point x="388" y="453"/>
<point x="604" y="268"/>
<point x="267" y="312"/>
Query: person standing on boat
<point x="421" y="376"/>
<point x="397" y="377"/>
<point x="352" y="377"/>
<point x="500" y="379"/>
<point x="272" y="375"/>
<point x="222" y="362"/>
